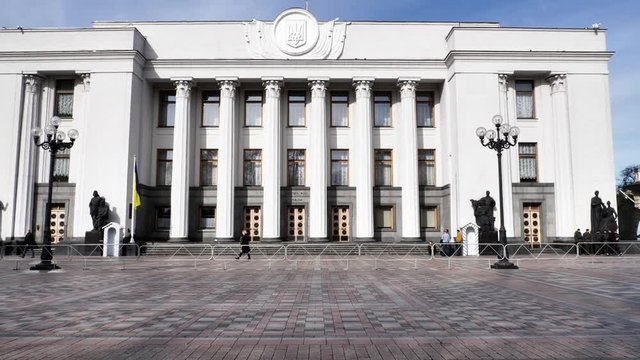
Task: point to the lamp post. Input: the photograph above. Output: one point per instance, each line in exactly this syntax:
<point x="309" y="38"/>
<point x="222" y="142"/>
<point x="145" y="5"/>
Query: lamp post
<point x="53" y="143"/>
<point x="496" y="142"/>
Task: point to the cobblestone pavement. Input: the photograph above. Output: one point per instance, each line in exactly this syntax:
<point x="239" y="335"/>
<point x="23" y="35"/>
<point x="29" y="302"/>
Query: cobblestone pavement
<point x="321" y="310"/>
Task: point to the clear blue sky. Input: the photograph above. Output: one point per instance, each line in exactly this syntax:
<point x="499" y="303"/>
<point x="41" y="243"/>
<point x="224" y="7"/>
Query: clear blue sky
<point x="620" y="17"/>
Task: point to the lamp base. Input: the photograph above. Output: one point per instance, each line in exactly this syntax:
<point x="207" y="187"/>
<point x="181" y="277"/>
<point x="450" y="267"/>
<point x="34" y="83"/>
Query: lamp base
<point x="45" y="266"/>
<point x="504" y="264"/>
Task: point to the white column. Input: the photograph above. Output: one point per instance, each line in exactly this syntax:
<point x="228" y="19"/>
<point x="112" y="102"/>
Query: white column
<point x="81" y="218"/>
<point x="363" y="159"/>
<point x="271" y="159"/>
<point x="226" y="159"/>
<point x="317" y="155"/>
<point x="564" y="202"/>
<point x="408" y="147"/>
<point x="508" y="158"/>
<point x="179" y="226"/>
<point x="26" y="170"/>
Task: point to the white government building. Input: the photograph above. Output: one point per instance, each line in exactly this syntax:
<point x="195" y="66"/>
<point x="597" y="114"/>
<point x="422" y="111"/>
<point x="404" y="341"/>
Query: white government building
<point x="304" y="130"/>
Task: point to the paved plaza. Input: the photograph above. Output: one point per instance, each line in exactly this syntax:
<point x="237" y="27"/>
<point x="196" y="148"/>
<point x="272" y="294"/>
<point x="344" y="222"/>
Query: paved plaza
<point x="553" y="309"/>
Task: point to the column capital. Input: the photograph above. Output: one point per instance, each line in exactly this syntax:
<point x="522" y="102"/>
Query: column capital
<point x="318" y="88"/>
<point x="558" y="82"/>
<point x="183" y="87"/>
<point x="32" y="83"/>
<point x="407" y="88"/>
<point x="272" y="87"/>
<point x="86" y="81"/>
<point x="227" y="87"/>
<point x="503" y="81"/>
<point x="363" y="87"/>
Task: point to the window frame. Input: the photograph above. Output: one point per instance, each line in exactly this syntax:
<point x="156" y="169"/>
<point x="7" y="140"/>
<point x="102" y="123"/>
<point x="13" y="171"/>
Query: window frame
<point x="244" y="167"/>
<point x="383" y="93"/>
<point x="161" y="107"/>
<point x="162" y="160"/>
<point x="332" y="102"/>
<point x="431" y="104"/>
<point x="58" y="91"/>
<point x="435" y="217"/>
<point x="533" y="97"/>
<point x="293" y="161"/>
<point x="426" y="163"/>
<point x="203" y="162"/>
<point x="290" y="94"/>
<point x="339" y="162"/>
<point x="168" y="211"/>
<point x="528" y="156"/>
<point x="200" y="218"/>
<point x="248" y="93"/>
<point x="63" y="154"/>
<point x="383" y="207"/>
<point x="382" y="162"/>
<point x="203" y="101"/>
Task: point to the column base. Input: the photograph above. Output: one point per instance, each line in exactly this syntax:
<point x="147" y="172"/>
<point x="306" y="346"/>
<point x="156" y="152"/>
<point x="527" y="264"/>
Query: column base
<point x="504" y="264"/>
<point x="224" y="241"/>
<point x="271" y="240"/>
<point x="45" y="266"/>
<point x="318" y="240"/>
<point x="178" y="240"/>
<point x="411" y="240"/>
<point x="364" y="240"/>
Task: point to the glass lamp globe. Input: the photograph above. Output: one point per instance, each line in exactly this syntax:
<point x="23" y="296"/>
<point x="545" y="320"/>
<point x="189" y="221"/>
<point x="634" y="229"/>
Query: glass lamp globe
<point x="36" y="132"/>
<point x="73" y="134"/>
<point x="49" y="130"/>
<point x="505" y="128"/>
<point x="61" y="136"/>
<point x="496" y="119"/>
<point x="515" y="131"/>
<point x="481" y="132"/>
<point x="491" y="134"/>
<point x="55" y="121"/>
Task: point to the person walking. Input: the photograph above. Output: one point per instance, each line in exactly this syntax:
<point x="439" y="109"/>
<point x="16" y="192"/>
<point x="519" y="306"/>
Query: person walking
<point x="445" y="239"/>
<point x="244" y="241"/>
<point x="29" y="244"/>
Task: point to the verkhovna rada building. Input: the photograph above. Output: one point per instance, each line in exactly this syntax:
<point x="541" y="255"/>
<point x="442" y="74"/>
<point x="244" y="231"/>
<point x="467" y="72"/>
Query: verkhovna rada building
<point x="304" y="130"/>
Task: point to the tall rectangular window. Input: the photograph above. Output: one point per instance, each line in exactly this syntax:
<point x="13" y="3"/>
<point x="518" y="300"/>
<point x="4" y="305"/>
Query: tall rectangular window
<point x="339" y="167"/>
<point x="429" y="217"/>
<point x="210" y="108"/>
<point x="207" y="217"/>
<point x="253" y="109"/>
<point x="163" y="168"/>
<point x="297" y="102"/>
<point x="528" y="162"/>
<point x="382" y="109"/>
<point x="295" y="167"/>
<point x="64" y="98"/>
<point x="524" y="99"/>
<point x="339" y="109"/>
<point x="384" y="165"/>
<point x="427" y="167"/>
<point x="61" y="169"/>
<point x="252" y="167"/>
<point x="167" y="111"/>
<point x="208" y="167"/>
<point x="384" y="218"/>
<point x="163" y="217"/>
<point x="424" y="109"/>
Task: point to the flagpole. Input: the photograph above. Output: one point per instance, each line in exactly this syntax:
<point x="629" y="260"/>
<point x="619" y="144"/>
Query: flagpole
<point x="133" y="196"/>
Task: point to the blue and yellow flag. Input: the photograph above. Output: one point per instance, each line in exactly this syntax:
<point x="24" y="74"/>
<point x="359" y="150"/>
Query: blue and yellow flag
<point x="136" y="194"/>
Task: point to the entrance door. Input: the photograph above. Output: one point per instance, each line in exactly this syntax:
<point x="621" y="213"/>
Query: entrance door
<point x="252" y="222"/>
<point x="340" y="226"/>
<point x="531" y="224"/>
<point x="297" y="223"/>
<point x="58" y="223"/>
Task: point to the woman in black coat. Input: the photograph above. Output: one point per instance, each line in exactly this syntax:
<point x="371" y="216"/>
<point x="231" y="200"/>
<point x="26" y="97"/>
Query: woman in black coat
<point x="244" y="241"/>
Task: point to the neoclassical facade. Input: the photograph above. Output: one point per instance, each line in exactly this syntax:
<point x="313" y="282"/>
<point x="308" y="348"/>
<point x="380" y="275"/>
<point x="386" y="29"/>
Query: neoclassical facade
<point x="302" y="130"/>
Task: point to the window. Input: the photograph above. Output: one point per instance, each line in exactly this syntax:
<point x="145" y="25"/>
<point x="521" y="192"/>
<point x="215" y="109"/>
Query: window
<point x="424" y="109"/>
<point x="339" y="109"/>
<point x="165" y="159"/>
<point x="339" y="167"/>
<point x="207" y="217"/>
<point x="429" y="217"/>
<point x="382" y="109"/>
<point x="297" y="101"/>
<point x="61" y="168"/>
<point x="167" y="109"/>
<point x="524" y="99"/>
<point x="64" y="98"/>
<point x="253" y="109"/>
<point x="252" y="167"/>
<point x="208" y="167"/>
<point x="383" y="167"/>
<point x="295" y="167"/>
<point x="210" y="108"/>
<point x="163" y="217"/>
<point x="383" y="218"/>
<point x="528" y="162"/>
<point x="427" y="167"/>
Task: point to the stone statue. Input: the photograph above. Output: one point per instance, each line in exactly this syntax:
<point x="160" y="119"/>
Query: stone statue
<point x="597" y="208"/>
<point x="609" y="217"/>
<point x="483" y="211"/>
<point x="99" y="211"/>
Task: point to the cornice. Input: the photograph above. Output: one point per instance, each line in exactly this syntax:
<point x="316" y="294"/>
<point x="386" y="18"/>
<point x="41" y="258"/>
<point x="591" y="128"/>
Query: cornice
<point x="64" y="55"/>
<point x="527" y="55"/>
<point x="431" y="64"/>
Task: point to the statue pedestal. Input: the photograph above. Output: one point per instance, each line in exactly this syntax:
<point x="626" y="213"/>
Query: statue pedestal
<point x="489" y="237"/>
<point x="93" y="238"/>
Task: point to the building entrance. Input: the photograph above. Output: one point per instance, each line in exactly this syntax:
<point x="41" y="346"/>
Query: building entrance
<point x="58" y="223"/>
<point x="531" y="224"/>
<point x="253" y="222"/>
<point x="297" y="223"/>
<point x="340" y="225"/>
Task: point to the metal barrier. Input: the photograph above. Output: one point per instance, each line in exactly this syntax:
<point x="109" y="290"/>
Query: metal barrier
<point x="547" y="251"/>
<point x="617" y="248"/>
<point x="179" y="252"/>
<point x="261" y="252"/>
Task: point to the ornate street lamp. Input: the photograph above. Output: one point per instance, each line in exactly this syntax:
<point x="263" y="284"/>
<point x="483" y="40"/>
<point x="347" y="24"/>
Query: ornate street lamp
<point x="54" y="143"/>
<point x="496" y="142"/>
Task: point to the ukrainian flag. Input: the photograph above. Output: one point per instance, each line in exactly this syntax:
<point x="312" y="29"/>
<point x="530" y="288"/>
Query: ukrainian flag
<point x="136" y="194"/>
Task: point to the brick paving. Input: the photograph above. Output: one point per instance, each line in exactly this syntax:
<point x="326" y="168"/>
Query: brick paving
<point x="321" y="310"/>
